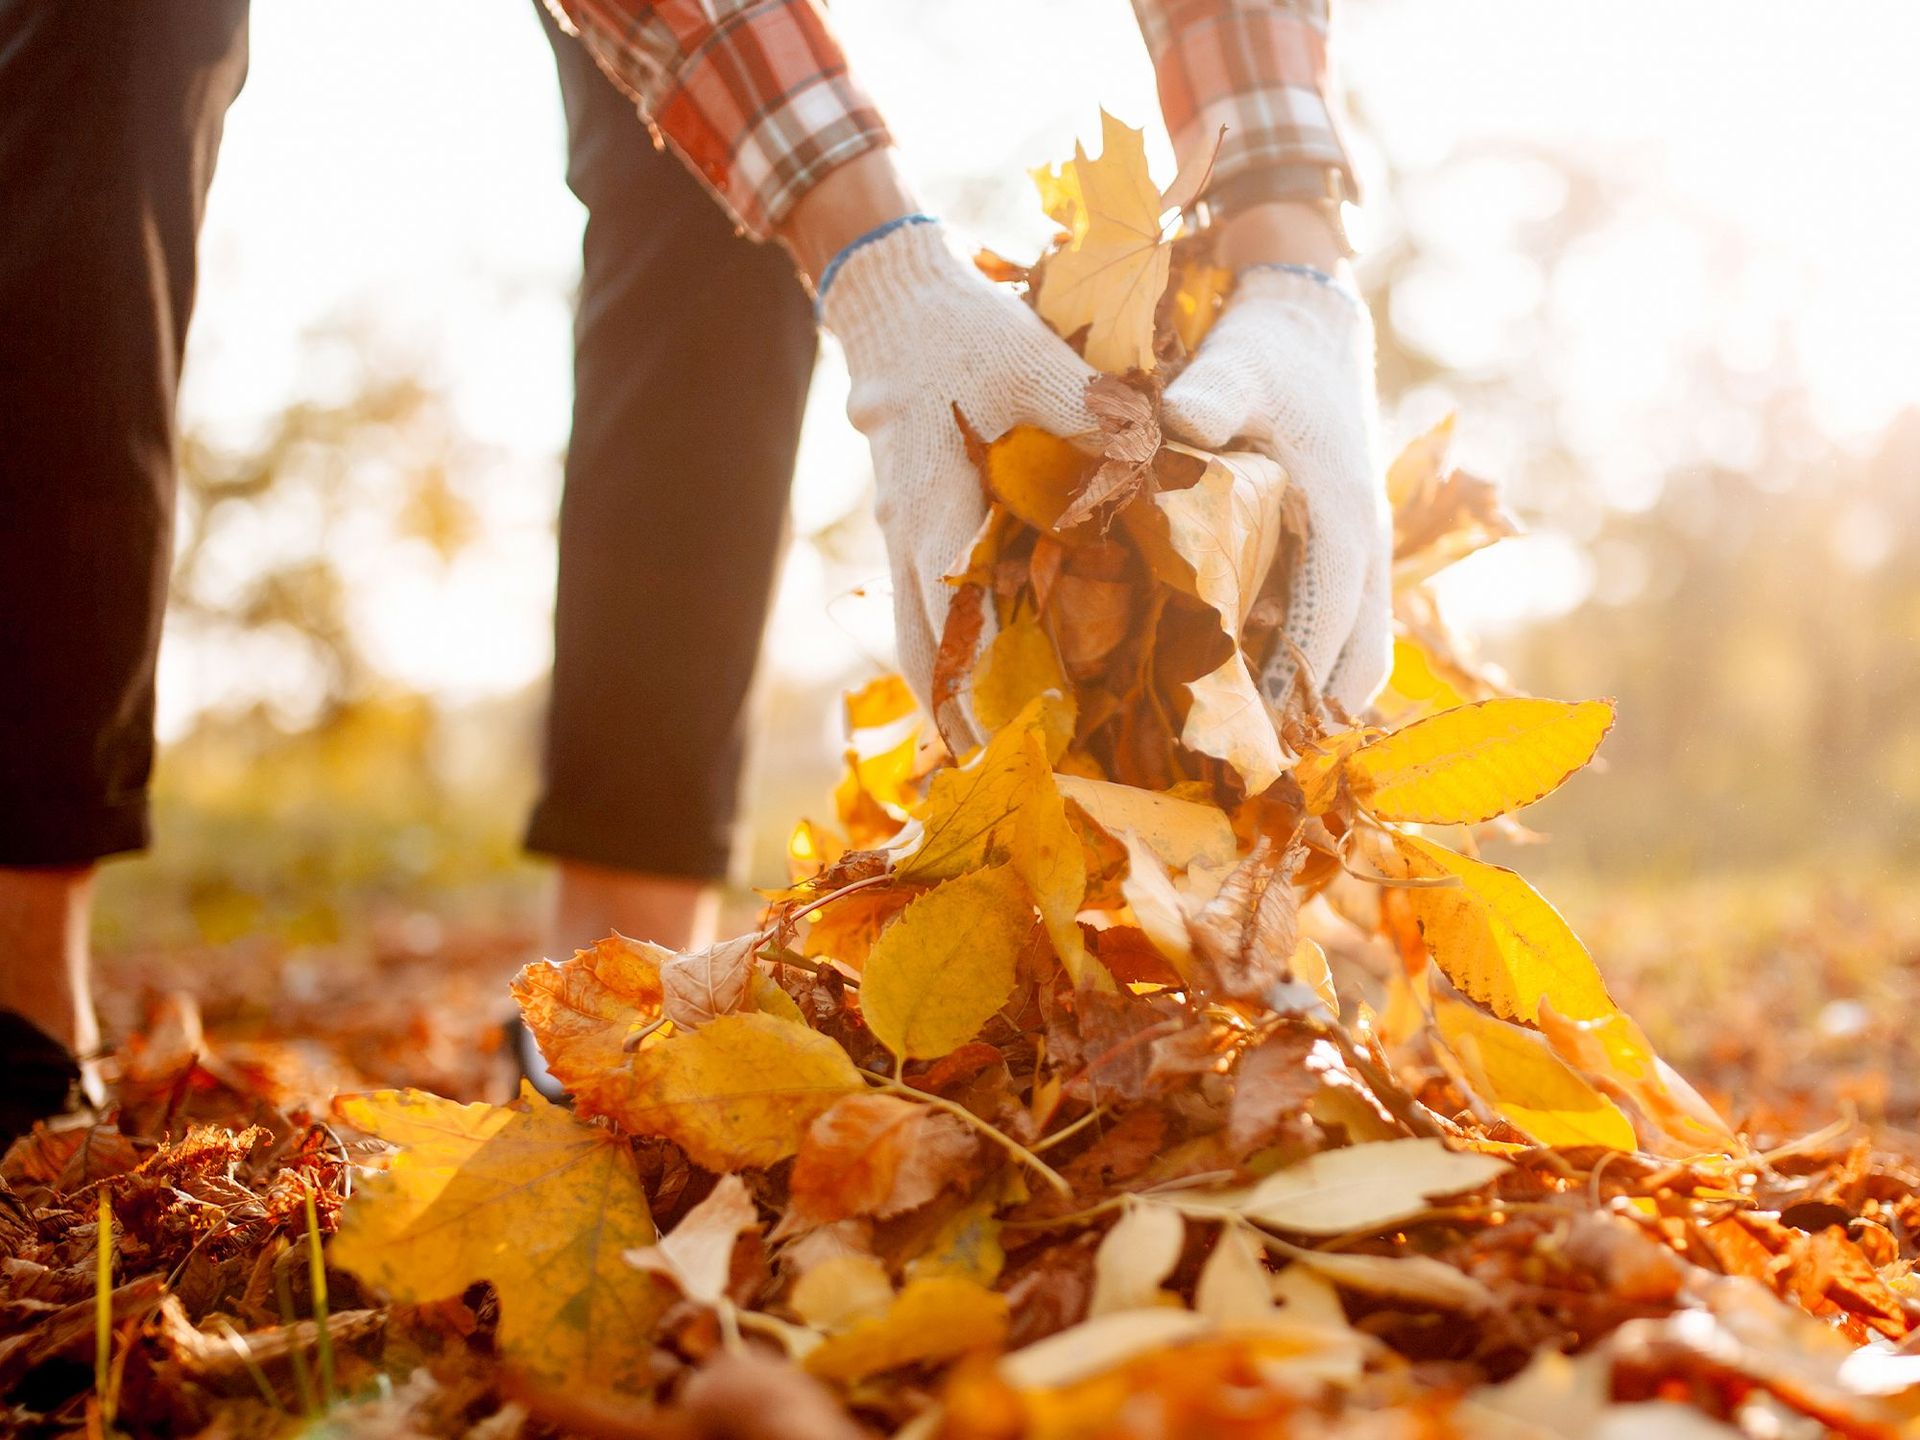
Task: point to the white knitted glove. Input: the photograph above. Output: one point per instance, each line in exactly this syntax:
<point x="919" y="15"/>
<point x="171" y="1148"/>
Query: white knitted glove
<point x="1288" y="367"/>
<point x="924" y="331"/>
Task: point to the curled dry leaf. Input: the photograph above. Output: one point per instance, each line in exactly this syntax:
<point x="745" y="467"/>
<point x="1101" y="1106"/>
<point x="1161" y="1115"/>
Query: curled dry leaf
<point x="697" y="1254"/>
<point x="875" y="1155"/>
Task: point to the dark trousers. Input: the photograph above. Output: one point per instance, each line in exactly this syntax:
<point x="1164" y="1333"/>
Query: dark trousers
<point x="694" y="349"/>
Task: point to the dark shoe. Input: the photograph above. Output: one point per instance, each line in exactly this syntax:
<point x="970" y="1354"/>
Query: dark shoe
<point x="43" y="1077"/>
<point x="526" y="1057"/>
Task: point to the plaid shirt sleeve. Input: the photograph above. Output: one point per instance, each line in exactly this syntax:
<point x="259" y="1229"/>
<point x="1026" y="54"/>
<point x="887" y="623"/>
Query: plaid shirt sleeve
<point x="754" y="95"/>
<point x="1258" y="67"/>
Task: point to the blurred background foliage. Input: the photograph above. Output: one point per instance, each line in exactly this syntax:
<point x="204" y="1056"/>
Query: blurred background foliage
<point x="1738" y="578"/>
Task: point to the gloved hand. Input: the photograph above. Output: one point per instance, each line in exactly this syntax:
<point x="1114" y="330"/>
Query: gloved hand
<point x="1288" y="368"/>
<point x="925" y="331"/>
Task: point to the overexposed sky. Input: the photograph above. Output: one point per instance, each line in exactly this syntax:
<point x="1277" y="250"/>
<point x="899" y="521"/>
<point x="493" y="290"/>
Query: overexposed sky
<point x="402" y="165"/>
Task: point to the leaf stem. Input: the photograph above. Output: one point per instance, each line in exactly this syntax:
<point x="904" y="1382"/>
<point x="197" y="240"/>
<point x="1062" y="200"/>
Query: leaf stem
<point x="103" y="1310"/>
<point x="317" y="1282"/>
<point x="999" y="1137"/>
<point x="1067" y="1132"/>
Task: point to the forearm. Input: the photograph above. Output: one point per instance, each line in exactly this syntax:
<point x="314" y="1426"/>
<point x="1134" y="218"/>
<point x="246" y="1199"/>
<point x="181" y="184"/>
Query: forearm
<point x="848" y="202"/>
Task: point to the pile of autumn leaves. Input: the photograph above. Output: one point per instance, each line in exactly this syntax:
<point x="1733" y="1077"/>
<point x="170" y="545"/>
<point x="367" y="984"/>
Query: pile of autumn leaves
<point x="1032" y="1102"/>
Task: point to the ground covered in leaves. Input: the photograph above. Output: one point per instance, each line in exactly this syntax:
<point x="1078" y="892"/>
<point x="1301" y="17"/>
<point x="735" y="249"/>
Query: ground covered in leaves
<point x="1127" y="1056"/>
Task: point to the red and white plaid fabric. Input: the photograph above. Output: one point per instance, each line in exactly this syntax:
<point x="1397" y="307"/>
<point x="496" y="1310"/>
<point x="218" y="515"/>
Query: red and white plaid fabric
<point x="1259" y="68"/>
<point x="756" y="97"/>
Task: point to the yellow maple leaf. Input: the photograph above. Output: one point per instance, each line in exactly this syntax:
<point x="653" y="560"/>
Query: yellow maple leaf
<point x="1497" y="939"/>
<point x="1474" y="762"/>
<point x="940" y="971"/>
<point x="1517" y="1073"/>
<point x="526" y="1196"/>
<point x="1111" y="271"/>
<point x="740" y="1091"/>
<point x="583" y="1011"/>
<point x="937" y="1318"/>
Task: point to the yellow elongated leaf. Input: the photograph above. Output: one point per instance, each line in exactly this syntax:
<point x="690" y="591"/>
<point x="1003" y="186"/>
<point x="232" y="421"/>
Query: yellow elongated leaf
<point x="1020" y="665"/>
<point x="1230" y="721"/>
<point x="1517" y="1073"/>
<point x="1111" y="271"/>
<point x="582" y="1012"/>
<point x="1474" y="762"/>
<point x="938" y="972"/>
<point x="1418" y="1278"/>
<point x="938" y="1318"/>
<point x="1355" y="1188"/>
<point x="740" y="1091"/>
<point x="1179" y="831"/>
<point x="1614" y="1050"/>
<point x="1158" y="904"/>
<point x="1134" y="1259"/>
<point x="1099" y="1343"/>
<point x="1004" y="808"/>
<point x="1495" y="938"/>
<point x="526" y="1196"/>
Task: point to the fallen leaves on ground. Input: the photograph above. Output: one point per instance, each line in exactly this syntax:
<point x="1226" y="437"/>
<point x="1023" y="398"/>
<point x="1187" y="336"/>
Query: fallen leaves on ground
<point x="1050" y="1098"/>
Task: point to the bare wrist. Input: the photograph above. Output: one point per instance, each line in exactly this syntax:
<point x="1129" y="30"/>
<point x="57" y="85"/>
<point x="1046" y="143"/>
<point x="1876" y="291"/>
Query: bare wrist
<point x="1282" y="232"/>
<point x="853" y="199"/>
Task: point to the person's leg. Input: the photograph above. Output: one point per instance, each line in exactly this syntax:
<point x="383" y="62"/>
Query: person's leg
<point x="110" y="117"/>
<point x="693" y="351"/>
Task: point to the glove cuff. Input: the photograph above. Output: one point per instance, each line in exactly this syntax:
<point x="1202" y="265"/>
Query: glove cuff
<point x="875" y="282"/>
<point x="1313" y="291"/>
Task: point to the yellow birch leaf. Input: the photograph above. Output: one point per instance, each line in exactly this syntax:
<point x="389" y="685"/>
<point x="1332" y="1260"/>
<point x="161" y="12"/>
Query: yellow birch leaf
<point x="1612" y="1048"/>
<point x="841" y="1292"/>
<point x="967" y="1245"/>
<point x="770" y="999"/>
<point x="1020" y="665"/>
<point x="526" y="1196"/>
<point x="1516" y="1072"/>
<point x="947" y="964"/>
<point x="1197" y="297"/>
<point x="884" y="700"/>
<point x="1110" y="273"/>
<point x="1003" y="808"/>
<point x="1495" y="938"/>
<point x="1035" y="475"/>
<point x="1357" y="1187"/>
<point x="1474" y="762"/>
<point x="740" y="1091"/>
<point x="938" y="1318"/>
<point x="1229" y="720"/>
<point x="968" y="818"/>
<point x="582" y="1011"/>
<point x="1180" y="832"/>
<point x="1416" y="681"/>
